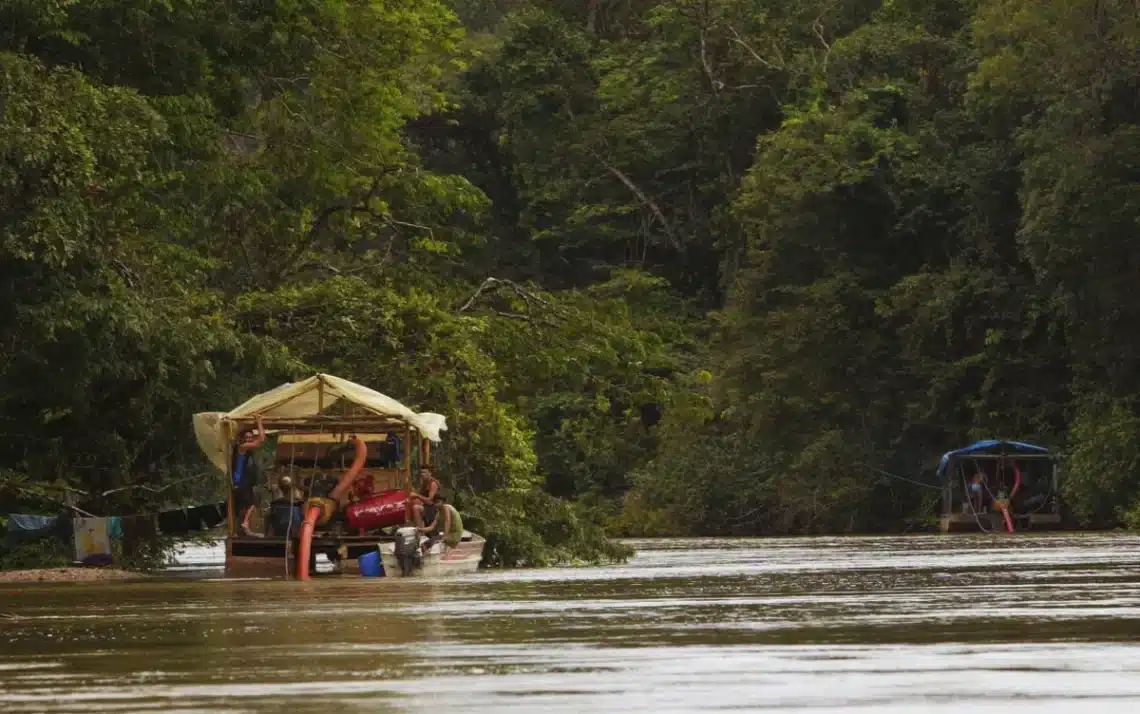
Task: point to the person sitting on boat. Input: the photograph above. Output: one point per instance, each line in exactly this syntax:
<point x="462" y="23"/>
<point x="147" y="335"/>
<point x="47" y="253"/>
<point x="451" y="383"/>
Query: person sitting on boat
<point x="423" y="506"/>
<point x="976" y="491"/>
<point x="247" y="473"/>
<point x="447" y="525"/>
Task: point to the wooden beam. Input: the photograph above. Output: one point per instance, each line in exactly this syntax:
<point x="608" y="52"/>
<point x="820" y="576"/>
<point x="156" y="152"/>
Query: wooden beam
<point x="325" y="424"/>
<point x="407" y="474"/>
<point x="231" y="521"/>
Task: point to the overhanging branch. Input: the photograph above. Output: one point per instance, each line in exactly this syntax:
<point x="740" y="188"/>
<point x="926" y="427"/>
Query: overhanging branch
<point x="644" y="198"/>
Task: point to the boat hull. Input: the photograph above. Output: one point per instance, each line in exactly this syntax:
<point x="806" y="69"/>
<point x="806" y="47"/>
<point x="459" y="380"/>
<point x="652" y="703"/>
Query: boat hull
<point x="440" y="561"/>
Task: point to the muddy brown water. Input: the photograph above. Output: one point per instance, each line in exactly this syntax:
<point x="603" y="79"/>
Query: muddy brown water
<point x="927" y="624"/>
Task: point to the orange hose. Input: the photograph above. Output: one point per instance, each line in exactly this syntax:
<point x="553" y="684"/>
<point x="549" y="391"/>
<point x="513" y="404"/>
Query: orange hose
<point x="1008" y="521"/>
<point x="349" y="476"/>
<point x="306" y="545"/>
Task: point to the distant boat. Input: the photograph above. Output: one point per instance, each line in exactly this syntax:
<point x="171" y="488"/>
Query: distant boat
<point x="997" y="485"/>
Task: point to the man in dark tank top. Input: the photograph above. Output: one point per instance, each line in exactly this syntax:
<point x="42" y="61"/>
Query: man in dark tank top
<point x="247" y="473"/>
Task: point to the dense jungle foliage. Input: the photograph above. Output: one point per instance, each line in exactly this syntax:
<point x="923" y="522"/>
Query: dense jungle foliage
<point x="669" y="266"/>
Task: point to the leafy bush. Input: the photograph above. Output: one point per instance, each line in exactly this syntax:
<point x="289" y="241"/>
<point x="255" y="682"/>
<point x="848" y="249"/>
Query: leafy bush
<point x="46" y="552"/>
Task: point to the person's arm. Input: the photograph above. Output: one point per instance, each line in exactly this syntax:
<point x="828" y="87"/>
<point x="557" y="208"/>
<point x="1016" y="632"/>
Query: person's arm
<point x="257" y="440"/>
<point x="446" y="518"/>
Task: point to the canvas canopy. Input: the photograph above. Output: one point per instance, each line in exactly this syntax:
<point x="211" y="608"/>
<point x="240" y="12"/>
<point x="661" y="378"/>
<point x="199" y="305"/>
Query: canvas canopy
<point x="298" y="400"/>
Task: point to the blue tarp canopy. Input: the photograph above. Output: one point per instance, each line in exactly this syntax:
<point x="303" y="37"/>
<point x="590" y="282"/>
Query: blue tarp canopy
<point x="987" y="446"/>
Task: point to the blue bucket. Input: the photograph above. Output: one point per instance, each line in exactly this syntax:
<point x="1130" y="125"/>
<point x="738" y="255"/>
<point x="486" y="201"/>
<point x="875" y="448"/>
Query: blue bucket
<point x="279" y="515"/>
<point x="370" y="565"/>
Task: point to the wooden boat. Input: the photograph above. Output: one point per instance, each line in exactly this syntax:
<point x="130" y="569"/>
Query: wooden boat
<point x="440" y="561"/>
<point x="330" y="507"/>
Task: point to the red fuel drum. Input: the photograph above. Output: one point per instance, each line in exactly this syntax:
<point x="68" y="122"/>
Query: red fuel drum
<point x="380" y="511"/>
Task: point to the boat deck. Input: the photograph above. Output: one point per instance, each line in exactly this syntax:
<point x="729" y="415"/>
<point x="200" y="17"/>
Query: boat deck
<point x="251" y="555"/>
<point x="962" y="522"/>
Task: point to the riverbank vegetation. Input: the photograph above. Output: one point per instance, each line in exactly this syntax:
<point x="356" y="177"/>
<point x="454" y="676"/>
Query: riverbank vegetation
<point x="689" y="267"/>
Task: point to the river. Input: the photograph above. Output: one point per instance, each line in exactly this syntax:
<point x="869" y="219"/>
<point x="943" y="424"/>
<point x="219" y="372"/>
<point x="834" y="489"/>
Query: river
<point x="927" y="624"/>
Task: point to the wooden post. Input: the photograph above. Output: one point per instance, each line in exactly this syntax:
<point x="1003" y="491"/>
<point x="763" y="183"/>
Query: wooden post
<point x="231" y="525"/>
<point x="425" y="453"/>
<point x="407" y="474"/>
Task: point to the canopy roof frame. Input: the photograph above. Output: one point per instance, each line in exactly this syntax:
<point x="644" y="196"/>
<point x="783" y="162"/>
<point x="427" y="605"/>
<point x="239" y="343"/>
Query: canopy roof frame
<point x="292" y="407"/>
<point x="985" y="450"/>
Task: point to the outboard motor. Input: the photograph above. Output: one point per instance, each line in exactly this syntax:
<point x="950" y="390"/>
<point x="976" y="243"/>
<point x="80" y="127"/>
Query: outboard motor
<point x="408" y="549"/>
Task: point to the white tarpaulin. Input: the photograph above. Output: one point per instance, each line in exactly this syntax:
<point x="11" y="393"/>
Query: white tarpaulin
<point x="300" y="400"/>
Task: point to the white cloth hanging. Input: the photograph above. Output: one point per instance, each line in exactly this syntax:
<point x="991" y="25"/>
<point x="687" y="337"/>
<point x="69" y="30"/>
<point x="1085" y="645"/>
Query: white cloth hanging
<point x="91" y="537"/>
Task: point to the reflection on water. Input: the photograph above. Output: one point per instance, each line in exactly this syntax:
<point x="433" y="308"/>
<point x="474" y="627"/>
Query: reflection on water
<point x="917" y="624"/>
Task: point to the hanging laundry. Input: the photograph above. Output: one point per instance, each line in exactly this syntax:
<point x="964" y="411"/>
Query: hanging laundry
<point x="138" y="531"/>
<point x="114" y="528"/>
<point x="91" y="538"/>
<point x="22" y="528"/>
<point x="20" y="524"/>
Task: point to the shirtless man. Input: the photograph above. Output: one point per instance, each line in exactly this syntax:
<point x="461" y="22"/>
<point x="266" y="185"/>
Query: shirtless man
<point x="423" y="508"/>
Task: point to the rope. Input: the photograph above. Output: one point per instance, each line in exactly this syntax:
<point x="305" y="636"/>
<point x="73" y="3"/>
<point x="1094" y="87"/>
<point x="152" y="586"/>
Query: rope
<point x="900" y="478"/>
<point x="966" y="490"/>
<point x="292" y="490"/>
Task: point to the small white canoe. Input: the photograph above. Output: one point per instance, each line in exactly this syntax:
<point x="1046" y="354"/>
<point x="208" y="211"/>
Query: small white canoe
<point x="440" y="561"/>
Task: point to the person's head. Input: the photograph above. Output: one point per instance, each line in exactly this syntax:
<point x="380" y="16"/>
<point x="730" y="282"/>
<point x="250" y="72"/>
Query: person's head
<point x="425" y="473"/>
<point x="246" y="436"/>
<point x="438" y="499"/>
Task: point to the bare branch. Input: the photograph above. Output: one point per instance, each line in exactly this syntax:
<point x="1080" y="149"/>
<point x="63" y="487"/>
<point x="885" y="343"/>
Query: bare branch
<point x="322" y="221"/>
<point x="151" y="489"/>
<point x="387" y="253"/>
<point x="128" y="274"/>
<point x="817" y="28"/>
<point x="716" y="84"/>
<point x="393" y="222"/>
<point x="493" y="284"/>
<point x="514" y="316"/>
<point x="644" y="198"/>
<point x="488" y="283"/>
<point x="749" y="49"/>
